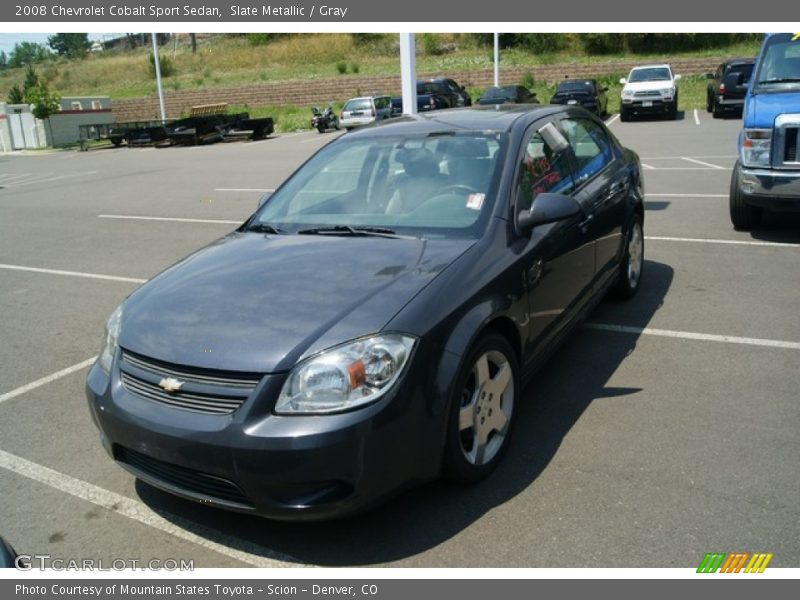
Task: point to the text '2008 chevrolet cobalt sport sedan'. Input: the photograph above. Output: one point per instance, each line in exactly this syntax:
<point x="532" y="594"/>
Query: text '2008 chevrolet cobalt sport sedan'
<point x="373" y="324"/>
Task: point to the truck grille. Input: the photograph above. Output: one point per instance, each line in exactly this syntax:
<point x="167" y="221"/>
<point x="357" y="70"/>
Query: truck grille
<point x="786" y="142"/>
<point x="204" y="391"/>
<point x="194" y="483"/>
<point x="647" y="94"/>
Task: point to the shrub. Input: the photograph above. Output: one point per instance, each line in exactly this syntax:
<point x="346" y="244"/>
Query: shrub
<point x="527" y="80"/>
<point x="341" y="67"/>
<point x="602" y="43"/>
<point x="354" y="68"/>
<point x="258" y="39"/>
<point x="430" y="44"/>
<point x="165" y="63"/>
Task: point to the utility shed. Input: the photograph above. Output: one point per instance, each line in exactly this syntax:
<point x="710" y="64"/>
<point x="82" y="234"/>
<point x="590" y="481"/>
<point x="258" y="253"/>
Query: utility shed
<point x="74" y="112"/>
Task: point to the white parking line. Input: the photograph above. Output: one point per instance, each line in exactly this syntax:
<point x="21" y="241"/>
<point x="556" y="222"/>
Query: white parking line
<point x="714" y="168"/>
<point x="71" y="273"/>
<point x="646" y="166"/>
<point x="612" y="119"/>
<point x="700" y="162"/>
<point x="45" y="380"/>
<point x="690" y="335"/>
<point x="677" y="157"/>
<point x="244" y="189"/>
<point x="175" y="219"/>
<point x="696" y="117"/>
<point x="656" y="195"/>
<point x="176" y="526"/>
<point x="717" y="241"/>
<point x="47" y="179"/>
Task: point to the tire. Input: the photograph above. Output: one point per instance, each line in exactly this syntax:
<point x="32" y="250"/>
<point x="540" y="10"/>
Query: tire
<point x="743" y="216"/>
<point x="321" y="128"/>
<point x="482" y="410"/>
<point x="624" y="115"/>
<point x="709" y="104"/>
<point x="673" y="110"/>
<point x="632" y="264"/>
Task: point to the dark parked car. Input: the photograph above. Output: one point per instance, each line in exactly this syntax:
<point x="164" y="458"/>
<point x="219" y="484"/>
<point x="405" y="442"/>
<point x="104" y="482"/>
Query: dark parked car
<point x="582" y="92"/>
<point x="455" y="94"/>
<point x="728" y="86"/>
<point x="509" y="94"/>
<point x="373" y="324"/>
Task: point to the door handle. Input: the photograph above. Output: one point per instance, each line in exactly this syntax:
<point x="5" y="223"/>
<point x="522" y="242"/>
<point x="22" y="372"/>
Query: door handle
<point x="585" y="223"/>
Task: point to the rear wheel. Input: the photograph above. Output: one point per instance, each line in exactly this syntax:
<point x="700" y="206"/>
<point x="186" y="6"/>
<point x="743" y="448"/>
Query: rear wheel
<point x="321" y="128"/>
<point x="632" y="265"/>
<point x="743" y="216"/>
<point x="709" y="101"/>
<point x="482" y="410"/>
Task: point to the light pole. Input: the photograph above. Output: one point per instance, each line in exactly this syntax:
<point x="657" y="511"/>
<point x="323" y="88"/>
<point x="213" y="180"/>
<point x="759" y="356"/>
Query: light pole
<point x="158" y="78"/>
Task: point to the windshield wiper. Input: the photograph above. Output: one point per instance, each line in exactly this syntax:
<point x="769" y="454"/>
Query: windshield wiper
<point x="780" y="80"/>
<point x="264" y="228"/>
<point x="350" y="230"/>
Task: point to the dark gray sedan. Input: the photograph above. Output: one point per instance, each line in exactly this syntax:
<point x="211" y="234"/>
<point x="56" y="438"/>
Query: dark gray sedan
<point x="373" y="324"/>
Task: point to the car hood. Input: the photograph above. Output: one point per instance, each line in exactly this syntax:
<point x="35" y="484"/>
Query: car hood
<point x="762" y="108"/>
<point x="642" y="86"/>
<point x="259" y="303"/>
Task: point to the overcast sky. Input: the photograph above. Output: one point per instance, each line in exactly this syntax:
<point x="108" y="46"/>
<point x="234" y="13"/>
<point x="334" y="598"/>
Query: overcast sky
<point x="7" y="40"/>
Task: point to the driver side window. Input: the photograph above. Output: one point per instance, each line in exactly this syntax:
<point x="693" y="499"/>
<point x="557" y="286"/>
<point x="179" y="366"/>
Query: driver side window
<point x="541" y="170"/>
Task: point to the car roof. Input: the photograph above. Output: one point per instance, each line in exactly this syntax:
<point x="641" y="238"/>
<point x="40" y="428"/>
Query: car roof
<point x="660" y="66"/>
<point x="474" y="118"/>
<point x="740" y="61"/>
<point x="563" y="81"/>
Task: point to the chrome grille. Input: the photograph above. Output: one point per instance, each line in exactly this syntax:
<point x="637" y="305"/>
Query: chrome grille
<point x="786" y="144"/>
<point x="647" y="94"/>
<point x="204" y="391"/>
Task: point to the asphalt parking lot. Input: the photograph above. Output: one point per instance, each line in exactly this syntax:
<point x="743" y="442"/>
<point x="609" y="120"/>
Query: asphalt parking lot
<point x="666" y="428"/>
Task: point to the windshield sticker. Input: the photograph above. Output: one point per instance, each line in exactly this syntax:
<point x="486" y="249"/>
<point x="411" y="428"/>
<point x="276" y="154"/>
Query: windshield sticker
<point x="475" y="201"/>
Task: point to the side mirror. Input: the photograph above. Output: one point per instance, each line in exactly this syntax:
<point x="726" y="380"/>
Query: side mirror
<point x="553" y="137"/>
<point x="263" y="199"/>
<point x="623" y="81"/>
<point x="677" y="78"/>
<point x="547" y="208"/>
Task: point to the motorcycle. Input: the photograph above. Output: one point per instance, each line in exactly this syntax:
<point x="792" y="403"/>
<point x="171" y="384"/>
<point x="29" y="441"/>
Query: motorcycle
<point x="324" y="120"/>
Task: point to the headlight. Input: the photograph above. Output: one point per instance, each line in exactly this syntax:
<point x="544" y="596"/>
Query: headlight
<point x="756" y="144"/>
<point x="627" y="93"/>
<point x="667" y="92"/>
<point x="345" y="377"/>
<point x="112" y="335"/>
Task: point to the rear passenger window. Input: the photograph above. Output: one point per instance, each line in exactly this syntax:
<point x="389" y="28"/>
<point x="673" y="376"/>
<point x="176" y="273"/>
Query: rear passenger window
<point x="541" y="170"/>
<point x="590" y="144"/>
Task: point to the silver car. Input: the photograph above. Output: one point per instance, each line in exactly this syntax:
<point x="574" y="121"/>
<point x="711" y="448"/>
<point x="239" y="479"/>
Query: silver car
<point x="365" y="110"/>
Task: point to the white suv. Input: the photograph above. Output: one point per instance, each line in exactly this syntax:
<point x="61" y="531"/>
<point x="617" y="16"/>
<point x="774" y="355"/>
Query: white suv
<point x="649" y="89"/>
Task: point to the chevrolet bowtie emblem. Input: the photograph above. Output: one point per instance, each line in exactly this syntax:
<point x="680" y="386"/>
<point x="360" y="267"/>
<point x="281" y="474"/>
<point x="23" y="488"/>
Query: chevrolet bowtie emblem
<point x="170" y="384"/>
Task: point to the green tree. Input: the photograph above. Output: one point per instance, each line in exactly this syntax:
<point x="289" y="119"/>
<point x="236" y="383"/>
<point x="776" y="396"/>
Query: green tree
<point x="43" y="103"/>
<point x="31" y="79"/>
<point x="3" y="60"/>
<point x="71" y="45"/>
<point x="27" y="53"/>
<point x="15" y="95"/>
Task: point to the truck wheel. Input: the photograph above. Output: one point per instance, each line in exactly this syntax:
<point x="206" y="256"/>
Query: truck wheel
<point x="673" y="110"/>
<point x="482" y="410"/>
<point x="624" y="114"/>
<point x="743" y="216"/>
<point x="708" y="101"/>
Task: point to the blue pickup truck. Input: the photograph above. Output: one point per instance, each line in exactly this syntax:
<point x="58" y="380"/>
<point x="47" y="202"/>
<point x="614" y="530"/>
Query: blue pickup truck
<point x="767" y="174"/>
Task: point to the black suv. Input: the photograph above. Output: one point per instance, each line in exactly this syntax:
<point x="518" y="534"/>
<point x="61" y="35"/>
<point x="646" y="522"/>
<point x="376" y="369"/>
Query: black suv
<point x="454" y="94"/>
<point x="728" y="86"/>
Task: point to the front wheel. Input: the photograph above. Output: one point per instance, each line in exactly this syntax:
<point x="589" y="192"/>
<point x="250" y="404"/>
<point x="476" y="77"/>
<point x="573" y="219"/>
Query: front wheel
<point x="321" y="128"/>
<point x="743" y="216"/>
<point x="624" y="114"/>
<point x="482" y="410"/>
<point x="632" y="265"/>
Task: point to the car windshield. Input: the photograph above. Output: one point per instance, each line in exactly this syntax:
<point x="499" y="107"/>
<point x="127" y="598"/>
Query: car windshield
<point x="358" y="104"/>
<point x="430" y="87"/>
<point x="574" y="86"/>
<point x="779" y="67"/>
<point x="430" y="186"/>
<point x="650" y="74"/>
<point x="500" y="92"/>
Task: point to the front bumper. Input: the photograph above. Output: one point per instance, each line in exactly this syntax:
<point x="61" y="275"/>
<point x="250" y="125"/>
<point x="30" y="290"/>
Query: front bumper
<point x="772" y="189"/>
<point x="281" y="467"/>
<point x="641" y="106"/>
